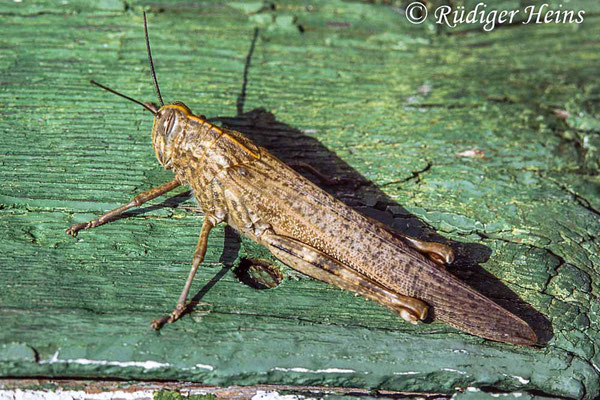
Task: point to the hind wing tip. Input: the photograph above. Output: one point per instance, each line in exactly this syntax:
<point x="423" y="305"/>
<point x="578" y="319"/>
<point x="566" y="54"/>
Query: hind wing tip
<point x="529" y="338"/>
<point x="521" y="335"/>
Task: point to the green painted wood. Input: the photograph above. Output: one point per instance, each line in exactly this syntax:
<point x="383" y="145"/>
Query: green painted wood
<point x="451" y="136"/>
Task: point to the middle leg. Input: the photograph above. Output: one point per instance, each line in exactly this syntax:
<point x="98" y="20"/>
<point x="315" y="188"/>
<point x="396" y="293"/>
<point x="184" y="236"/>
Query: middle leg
<point x="438" y="252"/>
<point x="198" y="258"/>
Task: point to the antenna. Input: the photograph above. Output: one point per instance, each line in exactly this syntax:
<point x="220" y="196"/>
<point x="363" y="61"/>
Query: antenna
<point x="150" y="60"/>
<point x="147" y="107"/>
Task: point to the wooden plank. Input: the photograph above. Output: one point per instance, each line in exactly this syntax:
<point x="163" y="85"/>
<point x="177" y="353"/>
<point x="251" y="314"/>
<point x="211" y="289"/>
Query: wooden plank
<point x="448" y="137"/>
<point x="173" y="390"/>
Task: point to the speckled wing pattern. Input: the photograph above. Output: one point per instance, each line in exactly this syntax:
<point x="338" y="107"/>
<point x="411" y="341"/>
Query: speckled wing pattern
<point x="269" y="193"/>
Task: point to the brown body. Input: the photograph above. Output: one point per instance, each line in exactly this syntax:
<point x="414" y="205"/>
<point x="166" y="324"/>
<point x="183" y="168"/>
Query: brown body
<point x="245" y="186"/>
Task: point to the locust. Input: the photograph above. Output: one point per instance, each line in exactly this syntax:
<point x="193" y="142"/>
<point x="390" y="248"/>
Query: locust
<point x="244" y="186"/>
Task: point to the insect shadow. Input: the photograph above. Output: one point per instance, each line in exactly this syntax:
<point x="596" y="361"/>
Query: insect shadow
<point x="293" y="146"/>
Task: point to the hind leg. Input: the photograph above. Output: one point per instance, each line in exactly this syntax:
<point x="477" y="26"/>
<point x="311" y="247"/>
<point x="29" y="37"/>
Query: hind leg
<point x="319" y="265"/>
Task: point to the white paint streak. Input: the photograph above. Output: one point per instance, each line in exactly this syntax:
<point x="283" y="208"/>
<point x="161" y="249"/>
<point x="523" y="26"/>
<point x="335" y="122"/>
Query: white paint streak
<point x="262" y="395"/>
<point x="454" y="370"/>
<point x="460" y="351"/>
<point x="316" y="371"/>
<point x="205" y="366"/>
<point x="60" y="394"/>
<point x="519" y="378"/>
<point x="471" y="153"/>
<point x="496" y="395"/>
<point x="149" y="364"/>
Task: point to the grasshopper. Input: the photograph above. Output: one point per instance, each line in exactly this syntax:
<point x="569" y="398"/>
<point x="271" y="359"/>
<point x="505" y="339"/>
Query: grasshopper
<point x="241" y="184"/>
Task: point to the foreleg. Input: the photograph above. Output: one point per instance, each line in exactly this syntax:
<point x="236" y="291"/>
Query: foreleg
<point x="137" y="201"/>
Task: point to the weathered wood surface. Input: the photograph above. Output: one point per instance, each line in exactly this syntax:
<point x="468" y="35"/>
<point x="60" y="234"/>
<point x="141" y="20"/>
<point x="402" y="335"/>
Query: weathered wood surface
<point x="450" y="136"/>
<point x="17" y="389"/>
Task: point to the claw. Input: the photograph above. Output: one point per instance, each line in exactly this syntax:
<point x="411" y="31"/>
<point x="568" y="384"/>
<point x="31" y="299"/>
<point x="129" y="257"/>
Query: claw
<point x="408" y="316"/>
<point x="175" y="314"/>
<point x="73" y="230"/>
<point x="436" y="258"/>
<point x="77" y="227"/>
<point x="159" y="322"/>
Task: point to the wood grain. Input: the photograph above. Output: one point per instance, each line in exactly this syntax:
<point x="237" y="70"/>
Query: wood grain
<point x="450" y="136"/>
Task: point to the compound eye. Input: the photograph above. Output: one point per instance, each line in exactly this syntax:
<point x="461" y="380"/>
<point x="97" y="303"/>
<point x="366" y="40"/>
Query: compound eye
<point x="169" y="123"/>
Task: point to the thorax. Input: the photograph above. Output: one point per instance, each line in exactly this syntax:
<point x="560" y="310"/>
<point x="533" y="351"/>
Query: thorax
<point x="203" y="152"/>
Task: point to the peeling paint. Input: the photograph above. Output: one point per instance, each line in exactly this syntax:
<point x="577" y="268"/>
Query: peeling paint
<point x="454" y="370"/>
<point x="519" y="378"/>
<point x="263" y="395"/>
<point x="149" y="364"/>
<point x="316" y="371"/>
<point x="205" y="366"/>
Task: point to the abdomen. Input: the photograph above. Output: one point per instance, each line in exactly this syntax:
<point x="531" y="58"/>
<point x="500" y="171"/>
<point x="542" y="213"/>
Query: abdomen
<point x="267" y="193"/>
